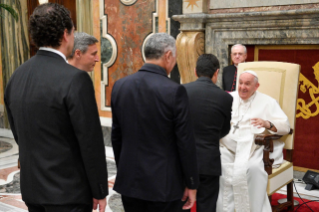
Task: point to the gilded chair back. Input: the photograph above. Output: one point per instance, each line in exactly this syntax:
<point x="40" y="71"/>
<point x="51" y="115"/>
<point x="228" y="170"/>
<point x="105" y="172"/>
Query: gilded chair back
<point x="280" y="81"/>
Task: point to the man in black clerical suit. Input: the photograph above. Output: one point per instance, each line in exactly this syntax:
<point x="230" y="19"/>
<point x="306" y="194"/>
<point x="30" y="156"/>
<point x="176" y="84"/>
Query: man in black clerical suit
<point x="210" y="109"/>
<point x="54" y="119"/>
<point x="152" y="136"/>
<point x="238" y="55"/>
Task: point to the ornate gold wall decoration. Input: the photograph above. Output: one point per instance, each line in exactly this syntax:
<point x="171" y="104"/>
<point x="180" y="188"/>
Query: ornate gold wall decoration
<point x="190" y="45"/>
<point x="305" y="84"/>
<point x="194" y="6"/>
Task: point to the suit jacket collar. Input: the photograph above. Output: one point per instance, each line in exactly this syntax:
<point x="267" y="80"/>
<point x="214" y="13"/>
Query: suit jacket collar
<point x="50" y="54"/>
<point x="54" y="51"/>
<point x="154" y="69"/>
<point x="206" y="80"/>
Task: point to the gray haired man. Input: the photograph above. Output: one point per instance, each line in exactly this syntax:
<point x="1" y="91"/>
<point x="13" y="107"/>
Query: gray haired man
<point x="152" y="136"/>
<point x="84" y="54"/>
<point x="238" y="55"/>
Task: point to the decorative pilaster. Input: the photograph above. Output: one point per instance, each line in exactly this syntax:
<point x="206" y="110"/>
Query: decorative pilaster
<point x="190" y="45"/>
<point x="190" y="42"/>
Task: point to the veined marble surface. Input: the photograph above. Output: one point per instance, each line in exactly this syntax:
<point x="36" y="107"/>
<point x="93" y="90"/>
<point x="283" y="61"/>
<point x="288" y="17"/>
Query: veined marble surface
<point x="216" y="4"/>
<point x="9" y="208"/>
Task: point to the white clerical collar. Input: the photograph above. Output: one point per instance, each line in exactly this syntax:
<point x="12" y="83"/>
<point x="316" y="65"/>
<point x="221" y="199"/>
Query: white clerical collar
<point x="54" y="51"/>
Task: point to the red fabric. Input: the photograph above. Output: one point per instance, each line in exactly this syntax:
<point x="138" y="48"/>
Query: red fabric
<point x="303" y="208"/>
<point x="250" y="53"/>
<point x="306" y="132"/>
<point x="194" y="208"/>
<point x="275" y="197"/>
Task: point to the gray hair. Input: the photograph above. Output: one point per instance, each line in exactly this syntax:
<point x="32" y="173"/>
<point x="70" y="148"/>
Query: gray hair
<point x="245" y="49"/>
<point x="158" y="44"/>
<point x="82" y="41"/>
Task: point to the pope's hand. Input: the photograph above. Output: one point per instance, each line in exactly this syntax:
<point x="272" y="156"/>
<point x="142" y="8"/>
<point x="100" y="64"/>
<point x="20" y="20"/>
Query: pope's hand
<point x="259" y="123"/>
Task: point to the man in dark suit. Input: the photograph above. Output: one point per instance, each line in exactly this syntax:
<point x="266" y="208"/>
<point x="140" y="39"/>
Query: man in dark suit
<point x="210" y="109"/>
<point x="54" y="119"/>
<point x="152" y="135"/>
<point x="238" y="55"/>
<point x="84" y="55"/>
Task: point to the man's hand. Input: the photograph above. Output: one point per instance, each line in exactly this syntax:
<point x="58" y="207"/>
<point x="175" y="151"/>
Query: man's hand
<point x="259" y="123"/>
<point x="191" y="195"/>
<point x="101" y="203"/>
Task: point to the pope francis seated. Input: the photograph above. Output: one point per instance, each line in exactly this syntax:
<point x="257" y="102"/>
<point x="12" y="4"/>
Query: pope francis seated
<point x="244" y="181"/>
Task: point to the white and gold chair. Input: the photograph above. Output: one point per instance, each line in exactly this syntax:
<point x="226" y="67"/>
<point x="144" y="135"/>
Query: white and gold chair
<point x="280" y="81"/>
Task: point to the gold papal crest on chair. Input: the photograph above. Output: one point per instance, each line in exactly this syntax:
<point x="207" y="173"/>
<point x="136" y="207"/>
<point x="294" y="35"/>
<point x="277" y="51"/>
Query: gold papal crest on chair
<point x="303" y="108"/>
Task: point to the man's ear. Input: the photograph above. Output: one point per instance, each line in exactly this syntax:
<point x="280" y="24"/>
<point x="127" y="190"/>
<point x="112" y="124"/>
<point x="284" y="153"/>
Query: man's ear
<point x="216" y="72"/>
<point x="77" y="53"/>
<point x="195" y="72"/>
<point x="257" y="85"/>
<point x="65" y="35"/>
<point x="168" y="55"/>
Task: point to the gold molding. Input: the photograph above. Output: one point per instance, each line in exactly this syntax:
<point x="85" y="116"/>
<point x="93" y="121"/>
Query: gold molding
<point x="281" y="47"/>
<point x="302" y="169"/>
<point x="190" y="45"/>
<point x="269" y="194"/>
<point x="280" y="170"/>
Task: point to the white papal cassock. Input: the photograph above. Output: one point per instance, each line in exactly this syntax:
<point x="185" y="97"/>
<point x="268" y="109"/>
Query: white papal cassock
<point x="244" y="181"/>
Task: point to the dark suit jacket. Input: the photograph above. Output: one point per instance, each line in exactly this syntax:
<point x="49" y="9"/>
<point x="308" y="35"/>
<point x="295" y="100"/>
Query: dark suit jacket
<point x="210" y="109"/>
<point x="229" y="74"/>
<point x="54" y="119"/>
<point x="152" y="137"/>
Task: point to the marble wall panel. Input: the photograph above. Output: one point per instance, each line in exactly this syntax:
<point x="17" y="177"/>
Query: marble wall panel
<point x="263" y="8"/>
<point x="216" y="4"/>
<point x="129" y="25"/>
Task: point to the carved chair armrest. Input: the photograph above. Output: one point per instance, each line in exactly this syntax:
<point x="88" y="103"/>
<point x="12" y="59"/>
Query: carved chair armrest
<point x="267" y="141"/>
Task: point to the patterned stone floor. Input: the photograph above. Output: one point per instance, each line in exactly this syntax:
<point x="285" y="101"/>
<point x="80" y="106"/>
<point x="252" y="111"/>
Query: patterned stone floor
<point x="10" y="195"/>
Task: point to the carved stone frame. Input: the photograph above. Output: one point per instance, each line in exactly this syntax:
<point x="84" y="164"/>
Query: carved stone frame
<point x="253" y="28"/>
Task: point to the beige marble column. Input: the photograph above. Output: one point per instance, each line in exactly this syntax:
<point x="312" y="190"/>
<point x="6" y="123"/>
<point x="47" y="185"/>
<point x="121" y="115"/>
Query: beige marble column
<point x="190" y="42"/>
<point x="190" y="45"/>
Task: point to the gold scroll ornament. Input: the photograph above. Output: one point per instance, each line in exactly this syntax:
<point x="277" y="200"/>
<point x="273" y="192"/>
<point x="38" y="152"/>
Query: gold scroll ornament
<point x="190" y="45"/>
<point x="305" y="85"/>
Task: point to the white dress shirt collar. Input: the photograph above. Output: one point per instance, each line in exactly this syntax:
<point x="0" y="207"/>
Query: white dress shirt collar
<point x="54" y="51"/>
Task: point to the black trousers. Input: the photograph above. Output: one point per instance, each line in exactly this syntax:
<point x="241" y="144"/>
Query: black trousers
<point x="60" y="208"/>
<point x="138" y="205"/>
<point x="207" y="193"/>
